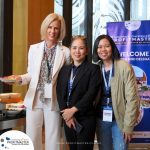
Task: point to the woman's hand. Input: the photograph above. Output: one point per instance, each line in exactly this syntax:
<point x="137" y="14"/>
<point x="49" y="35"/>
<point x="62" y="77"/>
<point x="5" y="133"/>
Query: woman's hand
<point x="12" y="79"/>
<point x="127" y="137"/>
<point x="18" y="79"/>
<point x="68" y="113"/>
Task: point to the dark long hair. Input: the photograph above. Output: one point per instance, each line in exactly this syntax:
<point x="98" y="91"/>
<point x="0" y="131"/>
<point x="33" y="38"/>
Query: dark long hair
<point x="115" y="51"/>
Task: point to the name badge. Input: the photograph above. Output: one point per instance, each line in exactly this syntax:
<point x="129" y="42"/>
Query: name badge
<point x="48" y="91"/>
<point x="107" y="114"/>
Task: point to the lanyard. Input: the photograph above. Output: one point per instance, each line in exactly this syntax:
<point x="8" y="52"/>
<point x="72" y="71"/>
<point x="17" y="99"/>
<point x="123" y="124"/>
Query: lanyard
<point x="72" y="76"/>
<point x="71" y="82"/>
<point x="107" y="85"/>
<point x="49" y="66"/>
<point x="49" y="63"/>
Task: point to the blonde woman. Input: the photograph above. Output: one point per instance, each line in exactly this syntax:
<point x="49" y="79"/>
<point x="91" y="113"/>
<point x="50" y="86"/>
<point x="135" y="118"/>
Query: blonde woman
<point x="45" y="60"/>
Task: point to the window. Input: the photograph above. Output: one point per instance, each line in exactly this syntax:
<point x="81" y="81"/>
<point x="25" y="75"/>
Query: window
<point x="106" y="11"/>
<point x="58" y="7"/>
<point x="78" y="17"/>
<point x="140" y="10"/>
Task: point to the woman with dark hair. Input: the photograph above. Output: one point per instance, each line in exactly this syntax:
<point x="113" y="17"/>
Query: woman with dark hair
<point x="77" y="87"/>
<point x="117" y="109"/>
<point x="115" y="52"/>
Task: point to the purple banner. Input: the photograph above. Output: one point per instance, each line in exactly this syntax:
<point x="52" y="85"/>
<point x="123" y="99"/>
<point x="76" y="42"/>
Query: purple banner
<point x="133" y="41"/>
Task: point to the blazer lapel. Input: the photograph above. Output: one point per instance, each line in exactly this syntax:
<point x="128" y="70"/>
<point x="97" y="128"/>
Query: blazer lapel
<point x="67" y="76"/>
<point x="39" y="56"/>
<point x="79" y="75"/>
<point x="59" y="57"/>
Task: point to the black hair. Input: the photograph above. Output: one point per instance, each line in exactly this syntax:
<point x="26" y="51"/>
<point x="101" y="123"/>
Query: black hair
<point x="115" y="51"/>
<point x="82" y="37"/>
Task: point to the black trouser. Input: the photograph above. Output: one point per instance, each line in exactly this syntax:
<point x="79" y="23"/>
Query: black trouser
<point x="85" y="139"/>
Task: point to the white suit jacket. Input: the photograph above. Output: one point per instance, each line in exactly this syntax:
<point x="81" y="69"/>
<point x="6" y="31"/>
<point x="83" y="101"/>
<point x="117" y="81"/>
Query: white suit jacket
<point x="35" y="56"/>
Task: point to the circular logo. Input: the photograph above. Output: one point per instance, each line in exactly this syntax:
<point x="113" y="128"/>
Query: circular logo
<point x="15" y="140"/>
<point x="132" y="25"/>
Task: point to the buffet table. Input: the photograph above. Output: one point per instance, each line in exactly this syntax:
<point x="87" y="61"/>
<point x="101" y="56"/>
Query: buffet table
<point x="13" y="122"/>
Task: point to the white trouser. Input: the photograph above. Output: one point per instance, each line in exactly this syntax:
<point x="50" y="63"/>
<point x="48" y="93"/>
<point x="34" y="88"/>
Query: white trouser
<point x="34" y="123"/>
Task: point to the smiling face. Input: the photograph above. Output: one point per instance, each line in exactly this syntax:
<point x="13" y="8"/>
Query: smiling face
<point x="78" y="51"/>
<point x="104" y="50"/>
<point x="53" y="31"/>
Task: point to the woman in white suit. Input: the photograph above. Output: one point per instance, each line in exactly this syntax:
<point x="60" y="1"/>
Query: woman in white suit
<point x="45" y="60"/>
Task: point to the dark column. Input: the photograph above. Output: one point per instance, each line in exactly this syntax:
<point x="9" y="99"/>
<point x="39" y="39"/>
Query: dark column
<point x="1" y="36"/>
<point x="89" y="25"/>
<point x="67" y="14"/>
<point x="127" y="10"/>
<point x="6" y="41"/>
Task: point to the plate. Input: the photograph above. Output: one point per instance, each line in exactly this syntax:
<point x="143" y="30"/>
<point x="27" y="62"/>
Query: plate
<point x="6" y="80"/>
<point x="12" y="112"/>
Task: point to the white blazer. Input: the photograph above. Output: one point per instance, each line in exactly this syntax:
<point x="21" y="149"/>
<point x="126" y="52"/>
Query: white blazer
<point x="35" y="56"/>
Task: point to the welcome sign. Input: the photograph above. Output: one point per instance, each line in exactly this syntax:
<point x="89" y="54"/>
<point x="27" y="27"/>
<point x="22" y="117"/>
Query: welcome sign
<point x="133" y="41"/>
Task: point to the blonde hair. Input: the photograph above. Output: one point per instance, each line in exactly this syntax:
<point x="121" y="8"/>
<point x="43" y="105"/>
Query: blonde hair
<point x="48" y="20"/>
